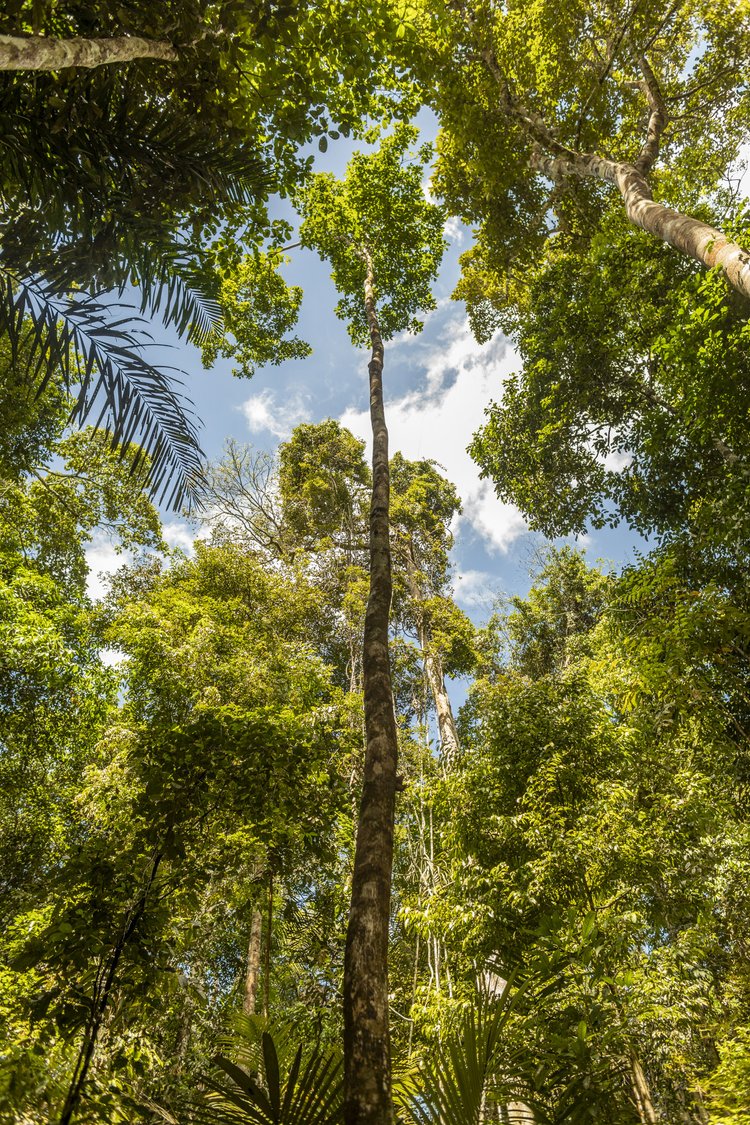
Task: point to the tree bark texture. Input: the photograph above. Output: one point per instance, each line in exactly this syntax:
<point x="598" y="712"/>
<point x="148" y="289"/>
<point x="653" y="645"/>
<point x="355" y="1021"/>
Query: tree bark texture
<point x="36" y="52"/>
<point x="252" y="971"/>
<point x="433" y="667"/>
<point x="690" y="236"/>
<point x="269" y="933"/>
<point x="367" y="1064"/>
<point x="104" y="982"/>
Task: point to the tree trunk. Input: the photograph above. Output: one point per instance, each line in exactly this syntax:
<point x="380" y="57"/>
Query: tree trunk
<point x="697" y="239"/>
<point x="269" y="932"/>
<point x="36" y="52"/>
<point x="252" y="972"/>
<point x="367" y="1065"/>
<point x="446" y="723"/>
<point x="103" y="984"/>
<point x="642" y="1093"/>
<point x="690" y="236"/>
<point x="433" y="667"/>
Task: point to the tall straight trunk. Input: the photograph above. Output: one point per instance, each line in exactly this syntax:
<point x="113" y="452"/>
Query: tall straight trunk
<point x="104" y="983"/>
<point x="367" y="1063"/>
<point x="267" y="966"/>
<point x="690" y="236"/>
<point x="252" y="971"/>
<point x="36" y="52"/>
<point x="642" y="1093"/>
<point x="449" y="748"/>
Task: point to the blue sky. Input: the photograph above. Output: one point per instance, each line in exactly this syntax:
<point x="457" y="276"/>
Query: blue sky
<point x="436" y="384"/>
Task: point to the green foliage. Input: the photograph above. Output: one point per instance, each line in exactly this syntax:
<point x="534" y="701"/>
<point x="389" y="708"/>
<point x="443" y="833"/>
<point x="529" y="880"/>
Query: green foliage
<point x="378" y="211"/>
<point x="323" y="481"/>
<point x="157" y="175"/>
<point x="597" y="826"/>
<point x="729" y="1084"/>
<point x="258" y="311"/>
<point x="568" y="75"/>
<point x="467" y="1075"/>
<point x="75" y="343"/>
<point x="638" y="416"/>
<point x="267" y="1080"/>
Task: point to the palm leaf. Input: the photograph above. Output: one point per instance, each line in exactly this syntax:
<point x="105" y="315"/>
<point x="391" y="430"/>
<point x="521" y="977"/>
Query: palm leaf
<point x="464" y="1073"/>
<point x="271" y="1081"/>
<point x="100" y="361"/>
<point x="96" y="194"/>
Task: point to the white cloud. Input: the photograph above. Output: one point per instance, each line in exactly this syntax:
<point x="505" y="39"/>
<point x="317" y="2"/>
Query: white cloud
<point x="102" y="560"/>
<point x="617" y="460"/>
<point x="476" y="589"/>
<point x="264" y="412"/>
<point x="112" y="657"/>
<point x="455" y="231"/>
<point x="178" y="535"/>
<point x="499" y="524"/>
<point x="438" y="420"/>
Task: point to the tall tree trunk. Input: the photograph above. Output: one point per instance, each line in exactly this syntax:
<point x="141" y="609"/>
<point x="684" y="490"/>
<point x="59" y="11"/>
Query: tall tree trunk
<point x="642" y="1092"/>
<point x="433" y="667"/>
<point x="367" y="1063"/>
<point x="267" y="967"/>
<point x="103" y="984"/>
<point x="449" y="748"/>
<point x="36" y="52"/>
<point x="252" y="972"/>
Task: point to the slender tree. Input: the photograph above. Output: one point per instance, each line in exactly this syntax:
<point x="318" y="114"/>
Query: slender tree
<point x="384" y="241"/>
<point x="425" y="504"/>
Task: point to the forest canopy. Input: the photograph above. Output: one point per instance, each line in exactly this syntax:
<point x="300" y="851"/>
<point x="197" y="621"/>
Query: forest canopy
<point x="258" y="865"/>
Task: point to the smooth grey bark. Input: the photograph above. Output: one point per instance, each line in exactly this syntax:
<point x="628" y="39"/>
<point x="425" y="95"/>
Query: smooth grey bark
<point x="449" y="748"/>
<point x="433" y="667"/>
<point x="37" y="52"/>
<point x="367" y="1056"/>
<point x="252" y="969"/>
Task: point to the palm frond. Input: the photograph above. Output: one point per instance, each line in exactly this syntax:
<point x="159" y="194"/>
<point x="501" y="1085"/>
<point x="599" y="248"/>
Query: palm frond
<point x="465" y="1073"/>
<point x="82" y="152"/>
<point x="171" y="287"/>
<point x="100" y="361"/>
<point x="99" y="182"/>
<point x="270" y="1080"/>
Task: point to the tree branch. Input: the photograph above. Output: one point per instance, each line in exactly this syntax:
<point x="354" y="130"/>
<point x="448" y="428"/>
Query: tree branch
<point x="37" y="52"/>
<point x="658" y="118"/>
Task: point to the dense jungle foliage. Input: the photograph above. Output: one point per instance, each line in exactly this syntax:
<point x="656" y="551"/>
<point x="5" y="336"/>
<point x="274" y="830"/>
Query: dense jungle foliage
<point x="255" y="868"/>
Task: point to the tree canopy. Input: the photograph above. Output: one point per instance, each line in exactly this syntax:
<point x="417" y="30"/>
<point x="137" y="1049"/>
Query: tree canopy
<point x="259" y="868"/>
